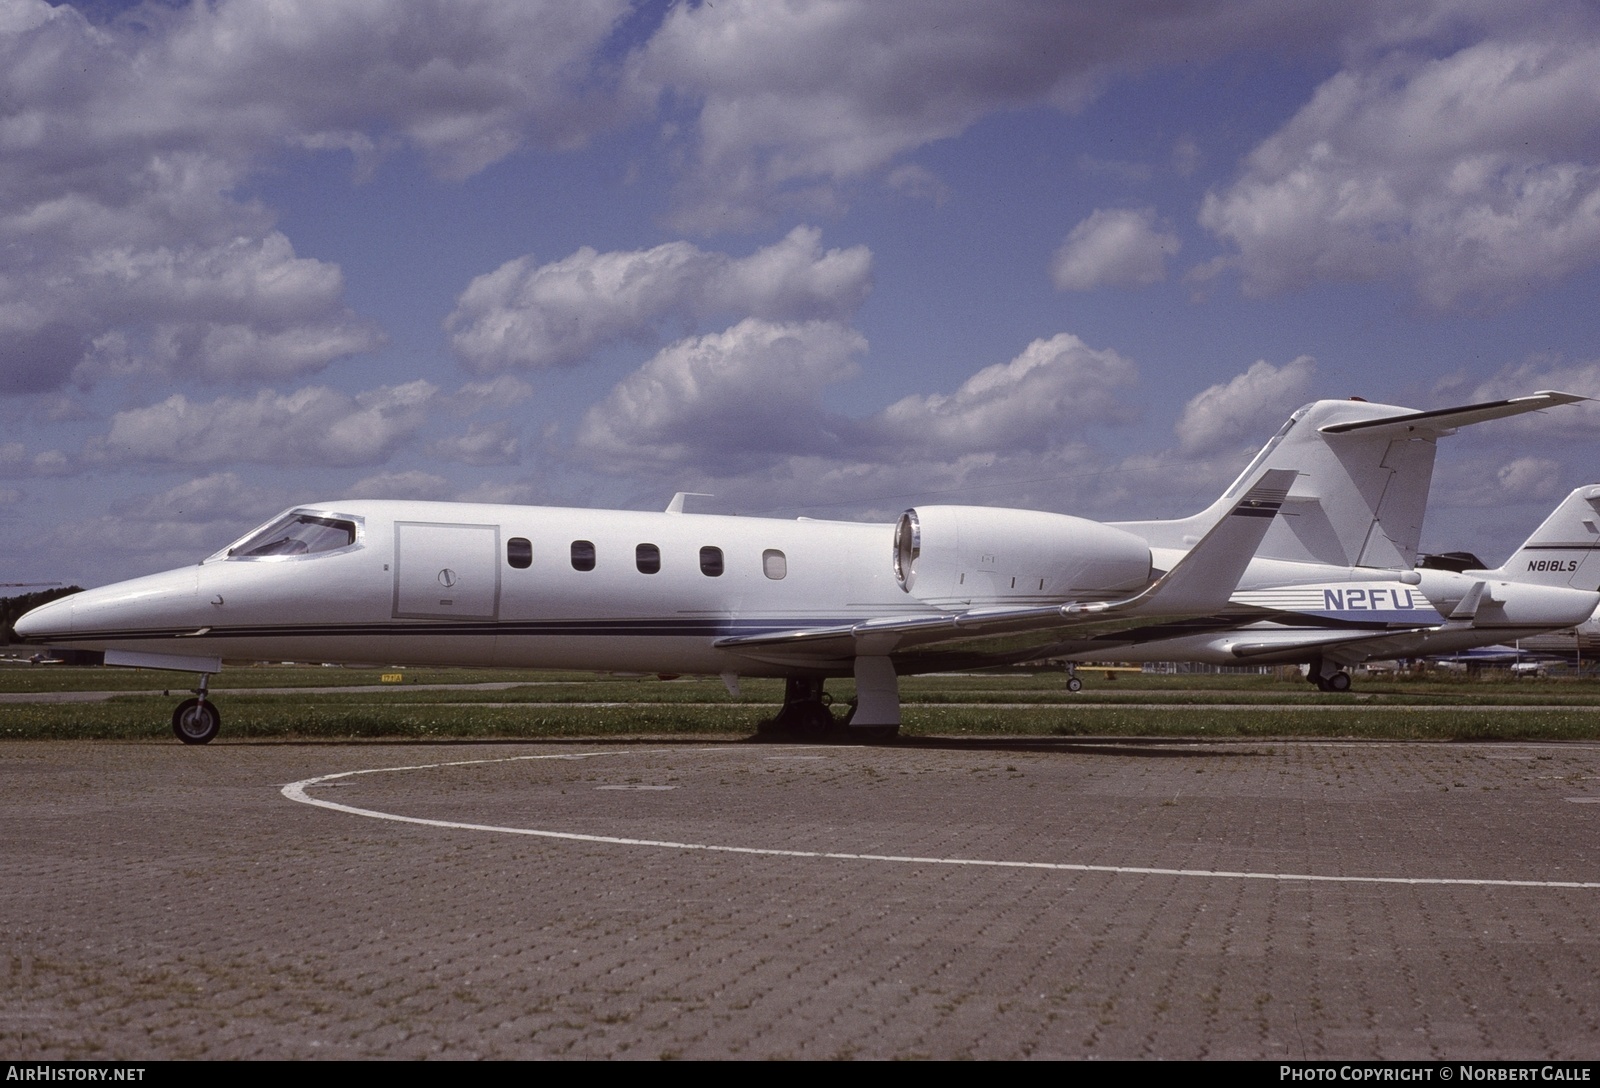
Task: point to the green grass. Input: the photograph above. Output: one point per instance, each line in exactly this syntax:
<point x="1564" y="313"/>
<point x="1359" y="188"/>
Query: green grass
<point x="1132" y="706"/>
<point x="290" y="719"/>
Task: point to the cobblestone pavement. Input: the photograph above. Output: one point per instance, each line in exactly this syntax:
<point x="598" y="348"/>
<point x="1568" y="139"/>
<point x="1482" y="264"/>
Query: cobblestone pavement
<point x="168" y="902"/>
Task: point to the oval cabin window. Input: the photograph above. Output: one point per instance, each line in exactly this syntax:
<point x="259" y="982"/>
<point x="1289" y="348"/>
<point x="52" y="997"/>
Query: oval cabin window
<point x="519" y="552"/>
<point x="647" y="557"/>
<point x="583" y="555"/>
<point x="773" y="564"/>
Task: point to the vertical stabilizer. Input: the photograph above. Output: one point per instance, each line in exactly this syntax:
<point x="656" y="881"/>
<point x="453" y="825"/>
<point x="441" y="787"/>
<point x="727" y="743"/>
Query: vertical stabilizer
<point x="1364" y="472"/>
<point x="1565" y="550"/>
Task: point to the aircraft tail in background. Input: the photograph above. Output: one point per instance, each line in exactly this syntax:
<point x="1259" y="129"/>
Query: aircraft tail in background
<point x="1565" y="550"/>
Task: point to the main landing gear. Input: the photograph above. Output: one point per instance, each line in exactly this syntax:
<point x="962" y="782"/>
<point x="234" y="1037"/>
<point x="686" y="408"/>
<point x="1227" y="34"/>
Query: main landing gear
<point x="197" y="721"/>
<point x="807" y="712"/>
<point x="1328" y="676"/>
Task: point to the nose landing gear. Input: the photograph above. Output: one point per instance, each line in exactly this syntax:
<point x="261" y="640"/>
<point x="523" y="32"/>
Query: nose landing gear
<point x="197" y="721"/>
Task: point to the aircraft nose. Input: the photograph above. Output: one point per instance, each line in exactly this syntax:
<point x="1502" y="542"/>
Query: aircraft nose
<point x="48" y="621"/>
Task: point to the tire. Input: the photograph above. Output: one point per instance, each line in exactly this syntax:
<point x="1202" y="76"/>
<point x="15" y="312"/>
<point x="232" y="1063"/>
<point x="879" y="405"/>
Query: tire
<point x="1339" y="681"/>
<point x="195" y="722"/>
<point x="1074" y="685"/>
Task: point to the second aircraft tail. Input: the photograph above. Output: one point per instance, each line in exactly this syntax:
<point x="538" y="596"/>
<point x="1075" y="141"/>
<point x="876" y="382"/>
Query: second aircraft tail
<point x="1565" y="549"/>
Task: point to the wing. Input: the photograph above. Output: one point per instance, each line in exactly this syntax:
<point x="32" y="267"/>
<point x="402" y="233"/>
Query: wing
<point x="1198" y="584"/>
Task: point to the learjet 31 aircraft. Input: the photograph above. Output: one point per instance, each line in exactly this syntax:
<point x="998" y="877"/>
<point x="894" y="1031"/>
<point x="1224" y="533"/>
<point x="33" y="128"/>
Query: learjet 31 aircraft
<point x="424" y="583"/>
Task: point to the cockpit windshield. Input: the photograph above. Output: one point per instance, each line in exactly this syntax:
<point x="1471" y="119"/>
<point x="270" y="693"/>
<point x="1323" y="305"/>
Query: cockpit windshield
<point x="296" y="533"/>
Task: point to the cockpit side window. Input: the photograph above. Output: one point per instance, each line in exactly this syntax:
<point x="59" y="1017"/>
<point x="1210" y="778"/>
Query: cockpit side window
<point x="297" y="534"/>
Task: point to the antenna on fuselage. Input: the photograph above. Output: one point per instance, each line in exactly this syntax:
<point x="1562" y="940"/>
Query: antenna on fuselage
<point x="676" y="505"/>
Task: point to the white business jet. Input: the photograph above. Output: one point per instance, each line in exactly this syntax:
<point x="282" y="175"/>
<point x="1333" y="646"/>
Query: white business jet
<point x="416" y="583"/>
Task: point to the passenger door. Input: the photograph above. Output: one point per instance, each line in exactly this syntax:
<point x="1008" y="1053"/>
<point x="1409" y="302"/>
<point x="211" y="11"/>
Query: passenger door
<point x="444" y="571"/>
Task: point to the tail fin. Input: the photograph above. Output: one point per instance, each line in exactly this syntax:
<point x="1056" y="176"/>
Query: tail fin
<point x="1364" y="475"/>
<point x="1565" y="550"/>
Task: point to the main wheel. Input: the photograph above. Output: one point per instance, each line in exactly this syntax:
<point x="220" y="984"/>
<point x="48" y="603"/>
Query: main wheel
<point x="195" y="722"/>
<point x="1074" y="684"/>
<point x="1339" y="681"/>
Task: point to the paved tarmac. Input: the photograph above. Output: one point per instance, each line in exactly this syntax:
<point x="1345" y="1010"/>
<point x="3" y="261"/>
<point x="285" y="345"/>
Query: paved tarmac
<point x="987" y="899"/>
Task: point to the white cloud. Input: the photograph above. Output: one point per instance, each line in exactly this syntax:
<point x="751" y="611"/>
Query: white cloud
<point x="1474" y="178"/>
<point x="494" y="443"/>
<point x="464" y="81"/>
<point x="123" y="249"/>
<point x="520" y="493"/>
<point x="737" y="415"/>
<point x="728" y="400"/>
<point x="501" y="392"/>
<point x="1248" y="408"/>
<point x="1512" y="493"/>
<point x="796" y="101"/>
<point x="1116" y="247"/>
<point x="1582" y="378"/>
<point x="17" y="461"/>
<point x="177" y="526"/>
<point x="413" y="484"/>
<point x="204" y="500"/>
<point x="1530" y="478"/>
<point x="917" y="182"/>
<point x="1053" y="387"/>
<point x="310" y="426"/>
<point x="529" y="315"/>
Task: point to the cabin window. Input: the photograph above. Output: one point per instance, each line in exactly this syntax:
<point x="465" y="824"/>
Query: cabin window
<point x="519" y="552"/>
<point x="711" y="562"/>
<point x="647" y="557"/>
<point x="773" y="564"/>
<point x="297" y="534"/>
<point x="583" y="555"/>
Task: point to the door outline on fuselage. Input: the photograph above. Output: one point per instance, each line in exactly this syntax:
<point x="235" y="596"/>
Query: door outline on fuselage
<point x="453" y="571"/>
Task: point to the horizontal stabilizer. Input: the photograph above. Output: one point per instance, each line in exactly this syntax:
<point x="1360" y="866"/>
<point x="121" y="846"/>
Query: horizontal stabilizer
<point x="1444" y="420"/>
<point x="1467" y="610"/>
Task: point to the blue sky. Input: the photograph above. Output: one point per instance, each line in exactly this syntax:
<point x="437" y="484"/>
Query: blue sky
<point x="824" y="259"/>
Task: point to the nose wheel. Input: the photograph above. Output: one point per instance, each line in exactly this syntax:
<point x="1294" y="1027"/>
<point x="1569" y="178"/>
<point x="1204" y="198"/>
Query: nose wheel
<point x="196" y="721"/>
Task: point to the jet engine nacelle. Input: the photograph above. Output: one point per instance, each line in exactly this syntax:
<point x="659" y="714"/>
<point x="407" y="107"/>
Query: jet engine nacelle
<point x="966" y="554"/>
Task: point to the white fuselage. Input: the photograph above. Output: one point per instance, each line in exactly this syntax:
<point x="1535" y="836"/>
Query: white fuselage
<point x="386" y="599"/>
<point x="412" y="583"/>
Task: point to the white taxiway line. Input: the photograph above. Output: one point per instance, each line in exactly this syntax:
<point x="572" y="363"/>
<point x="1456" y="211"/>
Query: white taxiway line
<point x="296" y="791"/>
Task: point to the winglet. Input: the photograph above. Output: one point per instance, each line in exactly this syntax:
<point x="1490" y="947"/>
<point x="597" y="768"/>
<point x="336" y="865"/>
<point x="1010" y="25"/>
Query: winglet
<point x="1205" y="578"/>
